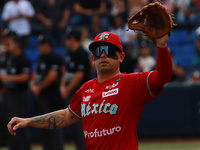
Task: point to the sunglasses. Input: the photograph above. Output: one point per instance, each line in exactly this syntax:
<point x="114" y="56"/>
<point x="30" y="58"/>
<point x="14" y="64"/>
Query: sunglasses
<point x="109" y="50"/>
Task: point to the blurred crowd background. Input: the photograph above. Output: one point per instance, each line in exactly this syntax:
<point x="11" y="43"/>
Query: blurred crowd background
<point x="55" y="19"/>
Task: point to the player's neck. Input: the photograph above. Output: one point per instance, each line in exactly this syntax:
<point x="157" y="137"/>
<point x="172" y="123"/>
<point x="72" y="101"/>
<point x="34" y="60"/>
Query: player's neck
<point x="102" y="77"/>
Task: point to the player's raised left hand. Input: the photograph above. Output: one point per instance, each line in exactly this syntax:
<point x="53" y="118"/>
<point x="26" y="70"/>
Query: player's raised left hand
<point x="162" y="42"/>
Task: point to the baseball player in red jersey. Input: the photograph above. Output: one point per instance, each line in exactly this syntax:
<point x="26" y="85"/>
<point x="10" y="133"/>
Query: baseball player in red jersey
<point x="110" y="105"/>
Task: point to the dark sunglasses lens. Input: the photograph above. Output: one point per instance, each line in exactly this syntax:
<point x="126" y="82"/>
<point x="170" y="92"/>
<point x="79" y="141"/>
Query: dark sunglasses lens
<point x="107" y="49"/>
<point x="97" y="52"/>
<point x="111" y="52"/>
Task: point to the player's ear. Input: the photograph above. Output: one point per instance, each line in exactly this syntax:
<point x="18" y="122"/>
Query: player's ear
<point x="121" y="57"/>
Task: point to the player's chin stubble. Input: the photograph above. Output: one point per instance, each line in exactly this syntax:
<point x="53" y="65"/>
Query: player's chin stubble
<point x="106" y="68"/>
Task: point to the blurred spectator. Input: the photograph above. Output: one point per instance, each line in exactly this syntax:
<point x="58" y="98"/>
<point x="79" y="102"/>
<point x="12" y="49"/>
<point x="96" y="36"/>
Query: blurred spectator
<point x="146" y="62"/>
<point x="2" y="2"/>
<point x="77" y="73"/>
<point x="180" y="11"/>
<point x="4" y="55"/>
<point x="186" y="13"/>
<point x="45" y="86"/>
<point x="119" y="27"/>
<point x="178" y="72"/>
<point x="118" y="7"/>
<point x="135" y="5"/>
<point x="86" y="39"/>
<point x="197" y="32"/>
<point x="17" y="96"/>
<point x="130" y="62"/>
<point x="96" y="26"/>
<point x="85" y="9"/>
<point x="169" y="4"/>
<point x="193" y="15"/>
<point x="181" y="3"/>
<point x="54" y="15"/>
<point x="17" y="13"/>
<point x="195" y="68"/>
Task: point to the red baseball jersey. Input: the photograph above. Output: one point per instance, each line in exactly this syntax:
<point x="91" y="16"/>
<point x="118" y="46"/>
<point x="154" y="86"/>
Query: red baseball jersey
<point x="110" y="111"/>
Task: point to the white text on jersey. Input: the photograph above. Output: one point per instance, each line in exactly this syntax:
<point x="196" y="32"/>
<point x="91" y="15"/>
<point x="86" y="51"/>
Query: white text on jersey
<point x="110" y="93"/>
<point x="89" y="91"/>
<point x="87" y="98"/>
<point x="104" y="132"/>
<point x="112" y="86"/>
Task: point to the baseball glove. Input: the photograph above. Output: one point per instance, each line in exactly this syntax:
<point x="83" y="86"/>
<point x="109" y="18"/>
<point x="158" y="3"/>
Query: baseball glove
<point x="154" y="20"/>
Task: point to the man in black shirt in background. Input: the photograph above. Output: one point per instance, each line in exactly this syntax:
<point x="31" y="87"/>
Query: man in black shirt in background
<point x="78" y="71"/>
<point x="45" y="87"/>
<point x="4" y="56"/>
<point x="54" y="16"/>
<point x="85" y="9"/>
<point x="17" y="96"/>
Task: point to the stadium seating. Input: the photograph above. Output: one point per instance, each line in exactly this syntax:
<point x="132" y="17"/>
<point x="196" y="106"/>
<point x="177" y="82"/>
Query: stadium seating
<point x="33" y="41"/>
<point x="182" y="44"/>
<point x="33" y="54"/>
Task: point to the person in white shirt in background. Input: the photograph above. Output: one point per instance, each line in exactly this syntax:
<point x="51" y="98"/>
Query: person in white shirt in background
<point x="145" y="60"/>
<point x="16" y="14"/>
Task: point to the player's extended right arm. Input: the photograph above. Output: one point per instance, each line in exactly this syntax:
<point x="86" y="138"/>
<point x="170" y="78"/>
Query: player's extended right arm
<point x="53" y="120"/>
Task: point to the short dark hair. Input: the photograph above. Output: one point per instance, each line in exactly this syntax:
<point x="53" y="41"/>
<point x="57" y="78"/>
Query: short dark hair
<point x="44" y="39"/>
<point x="73" y="33"/>
<point x="9" y="33"/>
<point x="18" y="41"/>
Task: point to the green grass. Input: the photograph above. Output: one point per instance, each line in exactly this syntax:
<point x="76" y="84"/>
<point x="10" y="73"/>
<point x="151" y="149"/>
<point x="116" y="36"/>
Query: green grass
<point x="153" y="145"/>
<point x="38" y="147"/>
<point x="183" y="145"/>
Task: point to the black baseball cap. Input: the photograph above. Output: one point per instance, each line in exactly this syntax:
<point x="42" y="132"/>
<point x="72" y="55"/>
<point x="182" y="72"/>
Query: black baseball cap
<point x="73" y="33"/>
<point x="9" y="33"/>
<point x="17" y="40"/>
<point x="44" y="39"/>
<point x="143" y="44"/>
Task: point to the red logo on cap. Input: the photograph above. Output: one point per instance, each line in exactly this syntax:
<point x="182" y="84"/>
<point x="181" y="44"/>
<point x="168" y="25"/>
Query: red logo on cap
<point x="104" y="36"/>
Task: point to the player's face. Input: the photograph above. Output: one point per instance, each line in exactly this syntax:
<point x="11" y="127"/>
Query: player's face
<point x="107" y="58"/>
